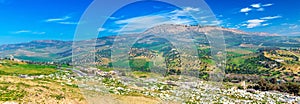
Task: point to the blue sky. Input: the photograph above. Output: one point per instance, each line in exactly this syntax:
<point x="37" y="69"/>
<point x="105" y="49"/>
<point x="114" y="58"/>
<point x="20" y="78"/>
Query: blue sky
<point x="27" y="20"/>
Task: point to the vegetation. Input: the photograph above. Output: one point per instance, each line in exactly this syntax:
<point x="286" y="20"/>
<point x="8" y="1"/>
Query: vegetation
<point x="58" y="96"/>
<point x="40" y="90"/>
<point x="266" y="63"/>
<point x="140" y="64"/>
<point x="104" y="68"/>
<point x="15" y="68"/>
<point x="7" y="94"/>
<point x="272" y="84"/>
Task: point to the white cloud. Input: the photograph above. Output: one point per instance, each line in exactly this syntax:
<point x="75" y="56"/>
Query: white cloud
<point x="259" y="22"/>
<point x="114" y="18"/>
<point x="204" y="21"/>
<point x="184" y="12"/>
<point x="141" y="23"/>
<point x="254" y="23"/>
<point x="270" y="17"/>
<point x="266" y="5"/>
<point x="205" y="17"/>
<point x="255" y="5"/>
<point x="68" y="23"/>
<point x="29" y="32"/>
<point x="58" y="19"/>
<point x="244" y="10"/>
<point x="260" y="9"/>
<point x="21" y="31"/>
<point x="188" y="9"/>
<point x="101" y="29"/>
<point x="61" y="20"/>
<point x="39" y="33"/>
<point x="244" y="24"/>
<point x="265" y="24"/>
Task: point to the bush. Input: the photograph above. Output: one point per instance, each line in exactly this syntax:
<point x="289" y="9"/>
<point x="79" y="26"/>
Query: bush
<point x="266" y="85"/>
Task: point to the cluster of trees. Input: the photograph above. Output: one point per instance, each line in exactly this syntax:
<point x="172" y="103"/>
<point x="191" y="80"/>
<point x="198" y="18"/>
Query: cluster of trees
<point x="140" y="65"/>
<point x="252" y="66"/>
<point x="249" y="67"/>
<point x="268" y="49"/>
<point x="242" y="69"/>
<point x="273" y="84"/>
<point x="295" y="58"/>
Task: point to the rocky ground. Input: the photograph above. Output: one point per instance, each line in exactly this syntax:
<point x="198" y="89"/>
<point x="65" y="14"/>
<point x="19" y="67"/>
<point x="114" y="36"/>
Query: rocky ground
<point x="161" y="90"/>
<point x="130" y="89"/>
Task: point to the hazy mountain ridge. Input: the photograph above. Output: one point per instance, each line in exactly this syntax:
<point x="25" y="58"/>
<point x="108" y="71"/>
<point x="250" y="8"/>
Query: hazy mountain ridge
<point x="166" y="27"/>
<point x="181" y="28"/>
<point x="35" y="44"/>
<point x="57" y="49"/>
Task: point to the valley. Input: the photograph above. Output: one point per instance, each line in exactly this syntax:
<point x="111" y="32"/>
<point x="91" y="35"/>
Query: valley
<point x="259" y="68"/>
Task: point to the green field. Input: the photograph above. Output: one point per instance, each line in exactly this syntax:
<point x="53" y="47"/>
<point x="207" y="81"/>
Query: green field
<point x="11" y="68"/>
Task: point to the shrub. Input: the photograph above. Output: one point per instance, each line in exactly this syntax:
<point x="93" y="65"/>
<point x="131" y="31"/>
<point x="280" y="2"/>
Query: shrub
<point x="58" y="97"/>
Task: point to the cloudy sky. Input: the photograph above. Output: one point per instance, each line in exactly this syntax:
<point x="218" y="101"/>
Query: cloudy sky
<point x="27" y="20"/>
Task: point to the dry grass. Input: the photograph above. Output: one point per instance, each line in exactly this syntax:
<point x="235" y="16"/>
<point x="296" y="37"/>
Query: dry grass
<point x="294" y="68"/>
<point x="119" y="99"/>
<point x="43" y="91"/>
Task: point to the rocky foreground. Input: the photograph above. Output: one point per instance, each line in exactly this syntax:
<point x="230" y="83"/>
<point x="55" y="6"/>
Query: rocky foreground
<point x="116" y="88"/>
<point x="185" y="91"/>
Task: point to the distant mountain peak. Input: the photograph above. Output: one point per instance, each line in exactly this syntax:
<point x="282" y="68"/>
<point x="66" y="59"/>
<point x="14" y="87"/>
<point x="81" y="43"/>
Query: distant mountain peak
<point x="175" y="28"/>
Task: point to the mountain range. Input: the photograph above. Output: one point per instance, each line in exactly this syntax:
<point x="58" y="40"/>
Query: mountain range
<point x="55" y="50"/>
